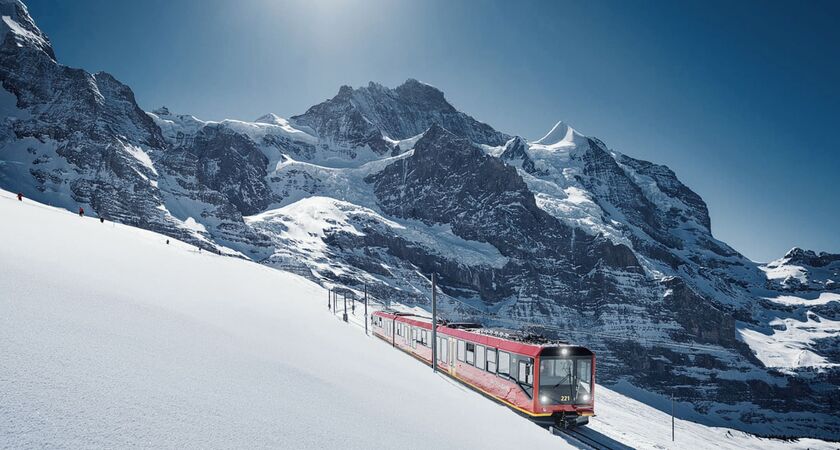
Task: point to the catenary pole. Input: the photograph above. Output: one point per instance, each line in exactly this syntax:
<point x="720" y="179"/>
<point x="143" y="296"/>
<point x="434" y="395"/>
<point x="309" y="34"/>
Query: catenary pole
<point x="434" y="324"/>
<point x="345" y="306"/>
<point x="366" y="317"/>
<point x="672" y="417"/>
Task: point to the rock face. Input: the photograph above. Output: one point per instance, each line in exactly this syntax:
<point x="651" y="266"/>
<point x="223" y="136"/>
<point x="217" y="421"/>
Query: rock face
<point x="449" y="181"/>
<point x="374" y="115"/>
<point x="75" y="138"/>
<point x="231" y="164"/>
<point x="516" y="153"/>
<point x="379" y="187"/>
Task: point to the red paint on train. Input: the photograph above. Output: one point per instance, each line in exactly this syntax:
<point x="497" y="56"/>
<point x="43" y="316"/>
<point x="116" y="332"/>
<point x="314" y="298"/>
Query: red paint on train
<point x="550" y="383"/>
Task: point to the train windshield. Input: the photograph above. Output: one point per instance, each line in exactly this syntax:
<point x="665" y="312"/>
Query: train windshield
<point x="565" y="380"/>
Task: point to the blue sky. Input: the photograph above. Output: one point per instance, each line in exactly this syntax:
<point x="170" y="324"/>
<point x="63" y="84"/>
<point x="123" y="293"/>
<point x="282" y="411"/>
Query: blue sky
<point x="740" y="99"/>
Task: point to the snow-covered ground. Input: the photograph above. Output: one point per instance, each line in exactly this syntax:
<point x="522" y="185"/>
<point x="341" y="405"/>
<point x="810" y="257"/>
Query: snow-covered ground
<point x="111" y="338"/>
<point x="790" y="343"/>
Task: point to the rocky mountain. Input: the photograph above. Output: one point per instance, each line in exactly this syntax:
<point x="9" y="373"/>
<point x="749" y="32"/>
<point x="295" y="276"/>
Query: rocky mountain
<point x="375" y="117"/>
<point x="804" y="270"/>
<point x="377" y="187"/>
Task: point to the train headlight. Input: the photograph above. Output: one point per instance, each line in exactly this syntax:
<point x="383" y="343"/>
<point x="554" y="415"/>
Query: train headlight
<point x="544" y="399"/>
<point x="585" y="397"/>
<point x="564" y="352"/>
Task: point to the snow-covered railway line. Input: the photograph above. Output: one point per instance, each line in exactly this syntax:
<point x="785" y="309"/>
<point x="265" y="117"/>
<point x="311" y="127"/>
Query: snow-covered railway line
<point x="582" y="438"/>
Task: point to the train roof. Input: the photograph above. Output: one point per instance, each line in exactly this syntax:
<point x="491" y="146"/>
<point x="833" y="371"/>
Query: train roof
<point x="522" y="342"/>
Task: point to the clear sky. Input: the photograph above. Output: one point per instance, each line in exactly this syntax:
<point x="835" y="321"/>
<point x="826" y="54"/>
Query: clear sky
<point x="740" y="99"/>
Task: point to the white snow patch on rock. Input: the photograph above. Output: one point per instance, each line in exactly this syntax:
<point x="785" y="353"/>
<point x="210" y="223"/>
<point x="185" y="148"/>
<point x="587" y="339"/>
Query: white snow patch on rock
<point x="789" y="343"/>
<point x="12" y="26"/>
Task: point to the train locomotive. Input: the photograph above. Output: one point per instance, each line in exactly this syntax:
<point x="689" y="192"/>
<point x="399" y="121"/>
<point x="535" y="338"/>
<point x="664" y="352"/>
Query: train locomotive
<point x="551" y="383"/>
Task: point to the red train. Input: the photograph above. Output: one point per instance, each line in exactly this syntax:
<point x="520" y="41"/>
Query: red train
<point x="501" y="365"/>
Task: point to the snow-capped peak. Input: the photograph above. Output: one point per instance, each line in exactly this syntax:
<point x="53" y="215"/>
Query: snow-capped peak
<point x="271" y="119"/>
<point x="15" y="21"/>
<point x="562" y="135"/>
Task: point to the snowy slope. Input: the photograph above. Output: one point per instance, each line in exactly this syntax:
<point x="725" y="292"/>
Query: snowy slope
<point x="110" y="338"/>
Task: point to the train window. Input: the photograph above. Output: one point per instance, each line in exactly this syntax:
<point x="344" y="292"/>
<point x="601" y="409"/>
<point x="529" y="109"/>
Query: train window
<point x="462" y="351"/>
<point x="584" y="370"/>
<point x="479" y="356"/>
<point x="444" y="349"/>
<point x="504" y="363"/>
<point x="491" y="360"/>
<point x="526" y="372"/>
<point x="470" y="353"/>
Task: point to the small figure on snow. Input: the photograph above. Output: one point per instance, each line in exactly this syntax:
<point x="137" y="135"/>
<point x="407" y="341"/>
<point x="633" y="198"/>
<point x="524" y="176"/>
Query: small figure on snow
<point x="167" y="242"/>
<point x="20" y="197"/>
<point x="101" y="220"/>
<point x="81" y="212"/>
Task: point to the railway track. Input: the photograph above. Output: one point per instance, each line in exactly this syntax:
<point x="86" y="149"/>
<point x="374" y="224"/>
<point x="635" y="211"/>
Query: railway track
<point x="581" y="437"/>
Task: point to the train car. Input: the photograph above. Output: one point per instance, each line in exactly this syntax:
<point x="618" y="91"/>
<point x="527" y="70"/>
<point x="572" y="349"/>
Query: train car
<point x="549" y="382"/>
